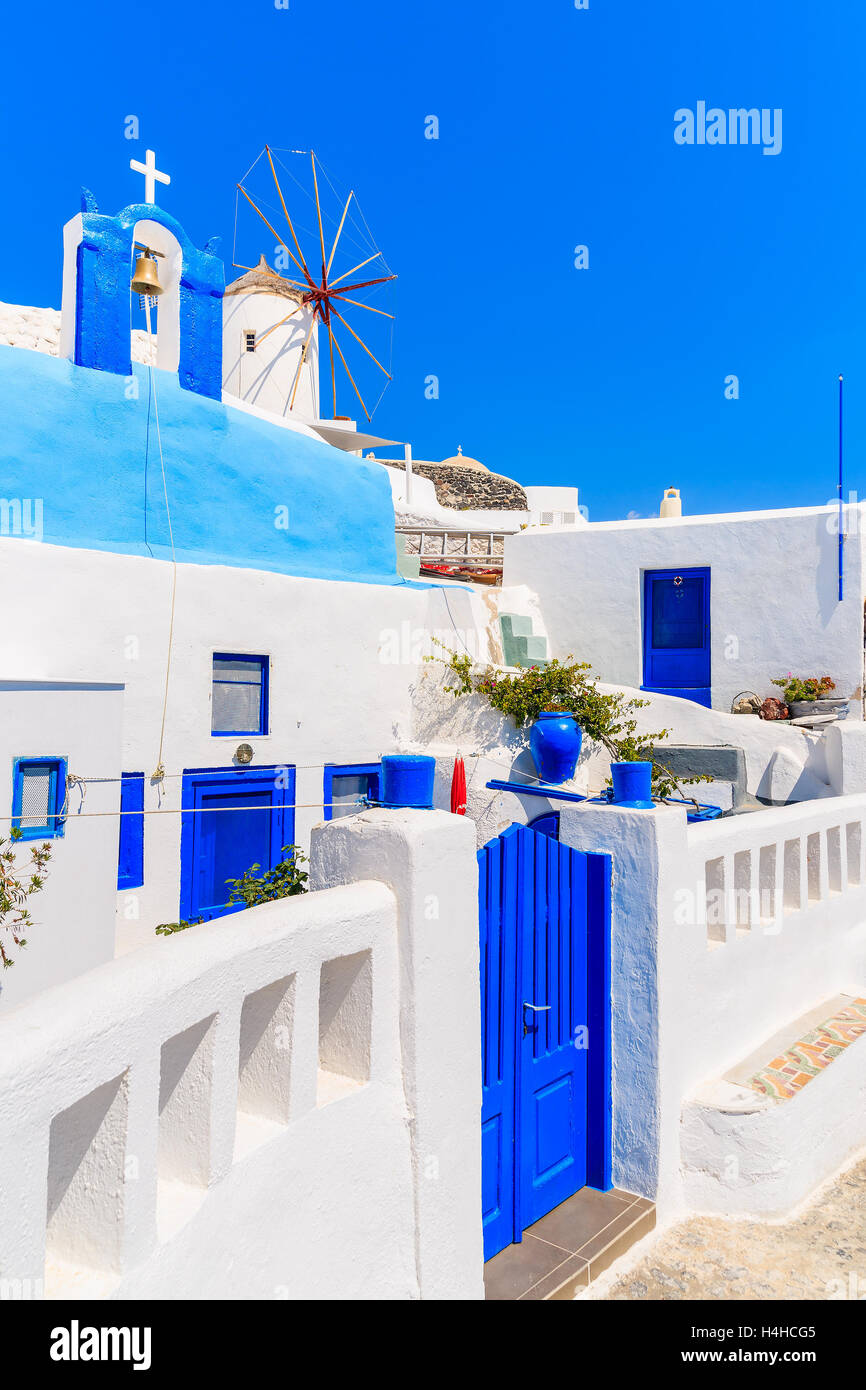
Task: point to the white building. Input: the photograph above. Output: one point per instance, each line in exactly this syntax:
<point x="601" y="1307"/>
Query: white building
<point x="207" y="651"/>
<point x="760" y="592"/>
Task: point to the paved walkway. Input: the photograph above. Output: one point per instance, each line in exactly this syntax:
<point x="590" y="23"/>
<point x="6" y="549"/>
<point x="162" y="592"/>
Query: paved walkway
<point x="819" y="1254"/>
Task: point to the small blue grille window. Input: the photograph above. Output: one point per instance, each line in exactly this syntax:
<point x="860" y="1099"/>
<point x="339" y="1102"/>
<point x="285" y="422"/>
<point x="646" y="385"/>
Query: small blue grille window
<point x="240" y="694"/>
<point x="39" y="797"/>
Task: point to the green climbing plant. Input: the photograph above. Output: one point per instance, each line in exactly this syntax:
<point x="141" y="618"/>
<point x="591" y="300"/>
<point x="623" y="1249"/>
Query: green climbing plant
<point x="17" y="882"/>
<point x="285" y="880"/>
<point x="608" y="718"/>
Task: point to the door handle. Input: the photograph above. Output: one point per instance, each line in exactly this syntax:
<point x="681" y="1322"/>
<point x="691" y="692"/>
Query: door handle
<point x="536" y="1009"/>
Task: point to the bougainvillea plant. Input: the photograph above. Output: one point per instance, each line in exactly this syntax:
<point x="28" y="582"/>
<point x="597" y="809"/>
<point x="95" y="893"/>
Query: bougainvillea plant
<point x="609" y="719"/>
<point x="17" y="883"/>
<point x="804" y="687"/>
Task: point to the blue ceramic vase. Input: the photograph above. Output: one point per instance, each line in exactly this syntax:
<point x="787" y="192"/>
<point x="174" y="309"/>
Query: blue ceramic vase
<point x="555" y="745"/>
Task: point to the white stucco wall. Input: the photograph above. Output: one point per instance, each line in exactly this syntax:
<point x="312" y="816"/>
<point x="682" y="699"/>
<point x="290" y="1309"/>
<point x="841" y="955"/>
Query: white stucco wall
<point x="774" y="605"/>
<point x="691" y="1002"/>
<point x="266" y="377"/>
<point x="556" y="502"/>
<point x="265" y="1107"/>
<point x="345" y="660"/>
<point x="73" y="915"/>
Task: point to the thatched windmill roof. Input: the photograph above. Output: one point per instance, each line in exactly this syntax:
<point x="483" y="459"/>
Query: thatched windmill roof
<point x="263" y="280"/>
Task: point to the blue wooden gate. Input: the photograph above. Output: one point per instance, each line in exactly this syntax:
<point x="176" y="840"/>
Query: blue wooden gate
<point x="544" y="915"/>
<point x="677" y="633"/>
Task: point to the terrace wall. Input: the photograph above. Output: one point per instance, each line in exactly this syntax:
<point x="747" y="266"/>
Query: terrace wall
<point x="267" y="1106"/>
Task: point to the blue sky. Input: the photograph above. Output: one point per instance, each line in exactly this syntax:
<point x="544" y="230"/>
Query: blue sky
<point x="556" y="129"/>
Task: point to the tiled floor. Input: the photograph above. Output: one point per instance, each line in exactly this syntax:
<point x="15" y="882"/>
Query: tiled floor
<point x="569" y="1247"/>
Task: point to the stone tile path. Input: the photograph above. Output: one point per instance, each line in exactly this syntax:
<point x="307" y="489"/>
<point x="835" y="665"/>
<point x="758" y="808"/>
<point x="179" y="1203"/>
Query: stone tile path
<point x="818" y="1254"/>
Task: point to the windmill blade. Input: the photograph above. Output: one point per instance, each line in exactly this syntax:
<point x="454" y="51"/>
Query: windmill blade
<point x="302" y="359"/>
<point x="274" y="326"/>
<point x="339" y="233"/>
<point x="351" y="378"/>
<point x="338" y="294"/>
<point x="354" y="268"/>
<point x="301" y="268"/>
<point x="333" y="377"/>
<point x="302" y="265"/>
<point x="319" y="214"/>
<point x="362" y="285"/>
<point x="361" y="341"/>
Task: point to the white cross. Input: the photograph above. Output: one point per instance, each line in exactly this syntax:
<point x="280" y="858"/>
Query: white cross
<point x="151" y="175"/>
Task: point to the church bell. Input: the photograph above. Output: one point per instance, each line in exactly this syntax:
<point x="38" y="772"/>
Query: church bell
<point x="146" y="280"/>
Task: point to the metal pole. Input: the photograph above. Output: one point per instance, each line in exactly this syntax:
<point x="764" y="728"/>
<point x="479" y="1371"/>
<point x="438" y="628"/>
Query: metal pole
<point x="841" y="539"/>
<point x="407" y="454"/>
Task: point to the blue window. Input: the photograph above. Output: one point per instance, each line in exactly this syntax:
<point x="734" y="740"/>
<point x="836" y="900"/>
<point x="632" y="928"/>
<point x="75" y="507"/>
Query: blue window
<point x="130" y="853"/>
<point x="346" y="784"/>
<point x="240" y="694"/>
<point x="39" y="797"/>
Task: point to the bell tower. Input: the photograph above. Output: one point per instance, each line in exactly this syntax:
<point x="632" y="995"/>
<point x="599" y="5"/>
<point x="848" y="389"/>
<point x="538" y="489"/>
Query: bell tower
<point x="98" y="260"/>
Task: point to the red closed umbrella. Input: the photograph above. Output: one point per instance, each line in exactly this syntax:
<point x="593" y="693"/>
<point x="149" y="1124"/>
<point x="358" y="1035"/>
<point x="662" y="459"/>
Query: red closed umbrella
<point x="458" y="788"/>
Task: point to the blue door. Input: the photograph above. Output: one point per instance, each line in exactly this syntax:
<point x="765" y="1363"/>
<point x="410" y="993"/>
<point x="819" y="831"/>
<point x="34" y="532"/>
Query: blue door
<point x="544" y="913"/>
<point x="677" y="633"/>
<point x="231" y="819"/>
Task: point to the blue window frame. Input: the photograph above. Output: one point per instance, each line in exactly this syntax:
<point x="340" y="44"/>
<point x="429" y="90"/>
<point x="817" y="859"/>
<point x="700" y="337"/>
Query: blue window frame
<point x="130" y="850"/>
<point x="346" y="783"/>
<point x="38" y="797"/>
<point x="239" y="702"/>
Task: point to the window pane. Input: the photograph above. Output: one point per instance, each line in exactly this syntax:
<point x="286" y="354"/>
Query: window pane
<point x="345" y="791"/>
<point x="236" y="708"/>
<point x="35" y="795"/>
<point x="237" y="668"/>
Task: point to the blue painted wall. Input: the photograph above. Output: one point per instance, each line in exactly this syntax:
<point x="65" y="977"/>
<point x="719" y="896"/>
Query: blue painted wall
<point x="102" y="300"/>
<point x="72" y="437"/>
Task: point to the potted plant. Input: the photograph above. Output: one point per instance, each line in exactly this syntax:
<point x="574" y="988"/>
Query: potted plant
<point x="810" y="695"/>
<point x="562" y="703"/>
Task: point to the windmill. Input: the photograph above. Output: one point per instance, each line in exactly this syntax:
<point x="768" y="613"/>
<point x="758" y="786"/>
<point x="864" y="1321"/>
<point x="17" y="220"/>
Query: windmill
<point x="334" y="270"/>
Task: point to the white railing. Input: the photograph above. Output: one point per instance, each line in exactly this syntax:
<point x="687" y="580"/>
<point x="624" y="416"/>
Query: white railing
<point x="439" y="545"/>
<point x="769" y="919"/>
<point x="235" y="1112"/>
<point x="724" y="934"/>
<point x="130" y="1097"/>
<point x="753" y="871"/>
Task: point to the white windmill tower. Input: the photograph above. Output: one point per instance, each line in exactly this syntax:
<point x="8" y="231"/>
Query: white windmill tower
<point x="271" y="344"/>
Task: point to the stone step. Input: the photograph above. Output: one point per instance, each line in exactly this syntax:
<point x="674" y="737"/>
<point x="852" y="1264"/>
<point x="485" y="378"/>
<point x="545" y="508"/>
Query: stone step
<point x="515" y="625"/>
<point x="520" y="647"/>
<point x="759" y="1139"/>
<point x="531" y="650"/>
